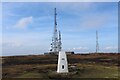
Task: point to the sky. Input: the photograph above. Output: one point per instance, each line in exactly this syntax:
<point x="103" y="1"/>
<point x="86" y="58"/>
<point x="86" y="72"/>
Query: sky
<point x="60" y="0"/>
<point x="27" y="27"/>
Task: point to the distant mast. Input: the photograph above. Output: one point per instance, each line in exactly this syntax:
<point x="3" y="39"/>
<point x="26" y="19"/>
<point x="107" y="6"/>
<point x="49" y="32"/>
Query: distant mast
<point x="97" y="44"/>
<point x="56" y="39"/>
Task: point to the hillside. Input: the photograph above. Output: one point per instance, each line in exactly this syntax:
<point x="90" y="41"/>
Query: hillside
<point x="44" y="66"/>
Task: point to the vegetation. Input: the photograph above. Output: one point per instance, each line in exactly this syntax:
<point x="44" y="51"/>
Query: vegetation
<point x="45" y="66"/>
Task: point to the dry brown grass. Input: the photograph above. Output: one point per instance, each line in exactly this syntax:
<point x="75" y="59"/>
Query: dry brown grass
<point x="14" y="66"/>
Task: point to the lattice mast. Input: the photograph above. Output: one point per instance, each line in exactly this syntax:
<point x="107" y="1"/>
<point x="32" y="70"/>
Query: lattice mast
<point x="54" y="44"/>
<point x="59" y="42"/>
<point x="97" y="44"/>
<point x="56" y="39"/>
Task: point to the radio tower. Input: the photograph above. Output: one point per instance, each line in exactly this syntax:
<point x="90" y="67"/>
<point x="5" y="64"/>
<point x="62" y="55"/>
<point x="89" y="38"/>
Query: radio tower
<point x="56" y="39"/>
<point x="97" y="45"/>
<point x="59" y="42"/>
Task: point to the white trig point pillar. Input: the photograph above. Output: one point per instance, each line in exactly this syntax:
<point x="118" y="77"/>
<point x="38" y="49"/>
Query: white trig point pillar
<point x="62" y="63"/>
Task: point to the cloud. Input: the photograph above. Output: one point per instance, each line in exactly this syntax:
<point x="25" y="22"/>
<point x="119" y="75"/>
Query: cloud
<point x="89" y="17"/>
<point x="78" y="49"/>
<point x="11" y="44"/>
<point x="110" y="48"/>
<point x="74" y="7"/>
<point x="24" y="22"/>
<point x="94" y="21"/>
<point x="44" y="18"/>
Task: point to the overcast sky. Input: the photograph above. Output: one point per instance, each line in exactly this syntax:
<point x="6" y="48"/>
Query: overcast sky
<point x="28" y="26"/>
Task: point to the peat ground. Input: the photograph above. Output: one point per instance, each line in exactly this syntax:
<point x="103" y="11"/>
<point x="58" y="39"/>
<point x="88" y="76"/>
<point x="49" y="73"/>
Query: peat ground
<point x="102" y="65"/>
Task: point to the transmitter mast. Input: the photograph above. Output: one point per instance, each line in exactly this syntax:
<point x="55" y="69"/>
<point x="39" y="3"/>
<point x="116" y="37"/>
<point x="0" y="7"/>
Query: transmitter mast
<point x="56" y="39"/>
